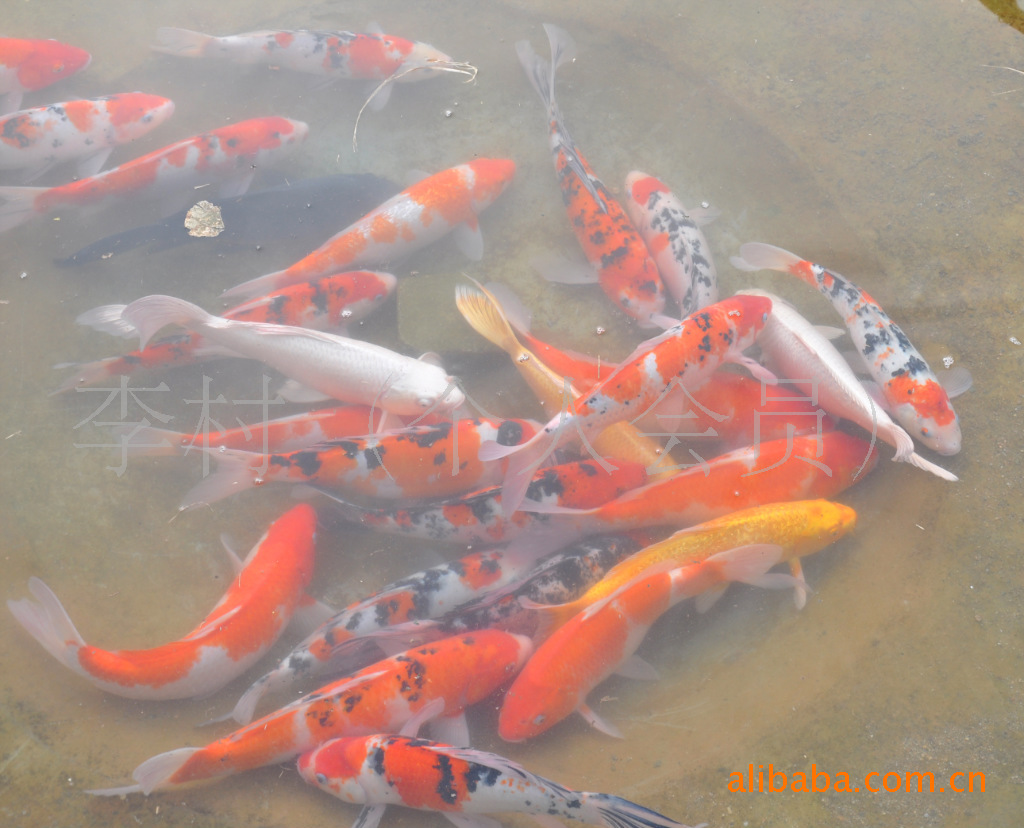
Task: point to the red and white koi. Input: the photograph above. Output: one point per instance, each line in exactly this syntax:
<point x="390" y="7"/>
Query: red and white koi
<point x="916" y="398"/>
<point x="446" y="202"/>
<point x="617" y="254"/>
<point x="86" y="131"/>
<point x="461" y="671"/>
<point x="229" y="155"/>
<point x="245" y="623"/>
<point x="29" y="65"/>
<point x="344" y="369"/>
<point x="673" y="235"/>
<point x="685" y="354"/>
<point x="329" y="303"/>
<point x="797" y="349"/>
<point x="459" y="782"/>
<point x="412" y="463"/>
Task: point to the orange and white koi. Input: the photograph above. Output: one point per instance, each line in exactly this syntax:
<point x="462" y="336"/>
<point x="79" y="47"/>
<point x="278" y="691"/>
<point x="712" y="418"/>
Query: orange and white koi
<point x="85" y="131"/>
<point x="795" y="347"/>
<point x="229" y="155"/>
<point x="614" y="249"/>
<point x="412" y="463"/>
<point x="459" y="782"/>
<point x="244" y="624"/>
<point x="344" y="369"/>
<point x="685" y="354"/>
<point x="446" y="202"/>
<point x="329" y="303"/>
<point x="29" y="65"/>
<point x="673" y="235"/>
<point x="914" y="394"/>
<point x="461" y="671"/>
<point x="603" y="638"/>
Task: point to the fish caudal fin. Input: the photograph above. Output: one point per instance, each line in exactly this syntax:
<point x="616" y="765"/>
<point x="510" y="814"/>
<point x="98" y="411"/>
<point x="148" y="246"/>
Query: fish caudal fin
<point x="184" y="42"/>
<point x="761" y="256"/>
<point x="151" y="314"/>
<point x="153" y="774"/>
<point x="47" y="622"/>
<point x="233" y="474"/>
<point x="616" y="812"/>
<point x="18" y="205"/>
<point x="108" y="319"/>
<point x="481" y="310"/>
<point x="523" y="461"/>
<point x="88" y="373"/>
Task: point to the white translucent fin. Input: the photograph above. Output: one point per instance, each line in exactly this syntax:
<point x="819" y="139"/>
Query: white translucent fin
<point x="598" y="723"/>
<point x="469" y="240"/>
<point x="760" y="256"/>
<point x="183" y="42"/>
<point x="108" y="319"/>
<point x="46" y="621"/>
<point x="956" y="381"/>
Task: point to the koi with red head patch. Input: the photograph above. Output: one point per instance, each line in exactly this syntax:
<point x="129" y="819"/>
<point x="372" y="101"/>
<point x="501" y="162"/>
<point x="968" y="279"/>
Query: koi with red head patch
<point x="446" y="202"/>
<point x="686" y="355"/>
<point x="28" y="65"/>
<point x="230" y="155"/>
<point x="86" y="131"/>
<point x="412" y="463"/>
<point x="244" y="624"/>
<point x="389" y="769"/>
<point x="673" y="235"/>
<point x="613" y="247"/>
<point x="914" y="395"/>
<point x="461" y="671"/>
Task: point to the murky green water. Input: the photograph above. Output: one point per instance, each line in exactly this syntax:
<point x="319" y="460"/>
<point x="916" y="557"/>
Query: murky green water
<point x="868" y="136"/>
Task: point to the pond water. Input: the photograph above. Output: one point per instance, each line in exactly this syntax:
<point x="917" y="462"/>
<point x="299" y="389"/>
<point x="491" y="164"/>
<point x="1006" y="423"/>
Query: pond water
<point x="880" y="138"/>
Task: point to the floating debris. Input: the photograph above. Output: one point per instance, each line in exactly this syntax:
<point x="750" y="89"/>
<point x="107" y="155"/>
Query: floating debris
<point x="204" y="220"/>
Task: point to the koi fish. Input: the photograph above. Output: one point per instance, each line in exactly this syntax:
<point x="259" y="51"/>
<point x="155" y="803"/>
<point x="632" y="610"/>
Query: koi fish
<point x="479" y="519"/>
<point x="916" y="398"/>
<point x="623" y="267"/>
<point x="330" y="303"/>
<point x="423" y="595"/>
<point x="389" y="769"/>
<point x="29" y="65"/>
<point x="230" y="154"/>
<point x="685" y="354"/>
<point x="673" y="235"/>
<point x="461" y="671"/>
<point x="602" y="639"/>
<point x="244" y="624"/>
<point x="416" y="462"/>
<point x="446" y="202"/>
<point x="344" y="369"/>
<point x="86" y="131"/>
<point x="796" y="348"/>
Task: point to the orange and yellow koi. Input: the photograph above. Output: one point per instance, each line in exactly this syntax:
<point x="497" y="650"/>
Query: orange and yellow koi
<point x="619" y="257"/>
<point x="446" y="202"/>
<point x="28" y="65"/>
<point x="461" y="671"/>
<point x="230" y="155"/>
<point x="243" y="625"/>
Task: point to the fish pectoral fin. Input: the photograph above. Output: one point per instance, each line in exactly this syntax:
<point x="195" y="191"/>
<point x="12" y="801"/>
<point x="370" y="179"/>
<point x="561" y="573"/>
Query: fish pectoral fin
<point x="956" y="381"/>
<point x="756" y="369"/>
<point x="476" y="821"/>
<point x="563" y="270"/>
<point x="236" y="186"/>
<point x="369" y="817"/>
<point x="452" y="730"/>
<point x="427" y="713"/>
<point x="706" y="600"/>
<point x="90" y="165"/>
<point x="830" y="331"/>
<point x="231" y="550"/>
<point x="800" y="590"/>
<point x="597" y="722"/>
<point x="469" y="240"/>
<point x="637" y="669"/>
<point x="309" y="615"/>
<point x="295" y="392"/>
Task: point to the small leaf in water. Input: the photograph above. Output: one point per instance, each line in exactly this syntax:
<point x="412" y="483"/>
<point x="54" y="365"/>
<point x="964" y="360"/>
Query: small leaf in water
<point x="204" y="220"/>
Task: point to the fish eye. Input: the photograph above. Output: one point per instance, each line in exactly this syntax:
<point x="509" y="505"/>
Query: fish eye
<point x="424" y="402"/>
<point x="764" y="316"/>
<point x="539" y="719"/>
<point x="321" y="779"/>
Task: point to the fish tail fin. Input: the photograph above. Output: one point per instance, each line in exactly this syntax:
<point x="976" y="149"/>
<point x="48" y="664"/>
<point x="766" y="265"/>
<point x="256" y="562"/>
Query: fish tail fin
<point x="88" y="373"/>
<point x="47" y="622"/>
<point x="761" y="256"/>
<point x="482" y="311"/>
<point x="148" y="441"/>
<point x="233" y="474"/>
<point x="108" y="319"/>
<point x="183" y="42"/>
<point x="153" y="774"/>
<point x="616" y="812"/>
<point x="151" y="314"/>
<point x="18" y="205"/>
<point x="523" y="460"/>
<point x="261" y="284"/>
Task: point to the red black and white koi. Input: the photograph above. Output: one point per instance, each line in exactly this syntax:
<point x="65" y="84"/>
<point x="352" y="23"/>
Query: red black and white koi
<point x="461" y="671"/>
<point x="29" y="65"/>
<point x="267" y="590"/>
<point x="614" y="249"/>
<point x="446" y="202"/>
<point x="334" y="366"/>
<point x="85" y="131"/>
<point x="914" y="395"/>
<point x="673" y="236"/>
<point x="229" y="155"/>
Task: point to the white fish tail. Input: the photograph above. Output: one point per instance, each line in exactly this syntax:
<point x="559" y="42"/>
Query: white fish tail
<point x="152" y="774"/>
<point x="761" y="256"/>
<point x="616" y="812"/>
<point x="524" y="460"/>
<point x="86" y="373"/>
<point x="108" y="319"/>
<point x="48" y="622"/>
<point x="184" y="42"/>
<point x="234" y="473"/>
<point x="18" y="205"/>
<point x="151" y="314"/>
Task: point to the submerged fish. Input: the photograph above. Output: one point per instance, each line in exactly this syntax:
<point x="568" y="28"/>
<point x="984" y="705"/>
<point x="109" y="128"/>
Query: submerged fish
<point x="28" y="65"/>
<point x="261" y="599"/>
<point x="85" y="131"/>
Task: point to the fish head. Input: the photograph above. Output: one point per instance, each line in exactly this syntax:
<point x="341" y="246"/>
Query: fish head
<point x="427" y="61"/>
<point x="821" y="523"/>
<point x="49" y="61"/>
<point x="640" y="186"/>
<point x="491" y="176"/>
<point x="927" y="413"/>
<point x="748" y="315"/>
<point x="421" y="390"/>
<point x="335" y="767"/>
